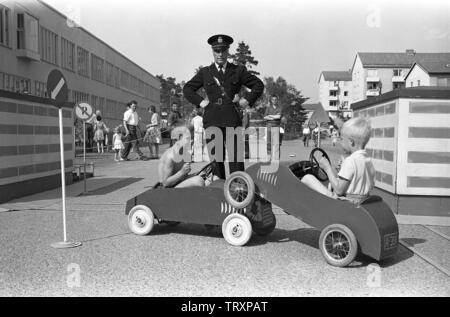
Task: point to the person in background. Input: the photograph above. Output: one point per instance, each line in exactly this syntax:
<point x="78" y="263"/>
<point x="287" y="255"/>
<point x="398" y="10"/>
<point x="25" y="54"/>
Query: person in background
<point x="130" y="123"/>
<point x="199" y="134"/>
<point x="153" y="133"/>
<point x="334" y="136"/>
<point x="273" y="120"/>
<point x="99" y="133"/>
<point x="306" y="135"/>
<point x="117" y="145"/>
<point x="173" y="119"/>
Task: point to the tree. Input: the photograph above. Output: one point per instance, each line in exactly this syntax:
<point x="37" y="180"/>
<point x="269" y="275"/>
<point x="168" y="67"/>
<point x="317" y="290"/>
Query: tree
<point x="243" y="56"/>
<point x="171" y="92"/>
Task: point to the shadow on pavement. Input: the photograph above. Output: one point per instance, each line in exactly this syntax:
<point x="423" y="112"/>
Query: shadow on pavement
<point x="101" y="187"/>
<point x="310" y="237"/>
<point x="115" y="186"/>
<point x="413" y="241"/>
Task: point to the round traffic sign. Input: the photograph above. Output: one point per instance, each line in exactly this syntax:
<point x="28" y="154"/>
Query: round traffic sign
<point x="57" y="86"/>
<point x="83" y="111"/>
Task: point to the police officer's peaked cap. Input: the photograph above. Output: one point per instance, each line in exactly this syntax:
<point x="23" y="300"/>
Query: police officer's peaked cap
<point x="220" y="41"/>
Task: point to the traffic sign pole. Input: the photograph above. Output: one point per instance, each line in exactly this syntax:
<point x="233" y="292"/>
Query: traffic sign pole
<point x="65" y="244"/>
<point x="84" y="155"/>
<point x="58" y="91"/>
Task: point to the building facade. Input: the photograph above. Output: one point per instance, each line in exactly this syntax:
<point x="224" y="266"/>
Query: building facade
<point x="335" y="89"/>
<point x="376" y="73"/>
<point x="35" y="39"/>
<point x="429" y="73"/>
<point x="409" y="146"/>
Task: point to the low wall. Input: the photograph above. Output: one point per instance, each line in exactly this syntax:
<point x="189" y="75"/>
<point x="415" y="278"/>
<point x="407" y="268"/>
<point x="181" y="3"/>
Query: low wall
<point x="29" y="145"/>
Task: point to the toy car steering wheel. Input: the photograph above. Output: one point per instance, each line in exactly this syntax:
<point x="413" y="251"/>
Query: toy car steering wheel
<point x="316" y="170"/>
<point x="207" y="172"/>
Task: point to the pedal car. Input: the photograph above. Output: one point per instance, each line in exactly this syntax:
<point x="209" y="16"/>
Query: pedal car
<point x="243" y="203"/>
<point x="369" y="227"/>
<point x="202" y="205"/>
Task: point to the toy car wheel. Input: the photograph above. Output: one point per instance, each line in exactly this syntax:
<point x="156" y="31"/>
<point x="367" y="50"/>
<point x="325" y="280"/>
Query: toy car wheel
<point x="338" y="245"/>
<point x="264" y="231"/>
<point x="239" y="189"/>
<point x="237" y="229"/>
<point x="141" y="220"/>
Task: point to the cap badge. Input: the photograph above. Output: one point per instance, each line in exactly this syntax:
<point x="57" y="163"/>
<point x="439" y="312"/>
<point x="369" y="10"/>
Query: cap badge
<point x="219" y="40"/>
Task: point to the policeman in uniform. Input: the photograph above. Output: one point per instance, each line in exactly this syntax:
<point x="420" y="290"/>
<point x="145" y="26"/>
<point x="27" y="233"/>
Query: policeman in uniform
<point x="222" y="82"/>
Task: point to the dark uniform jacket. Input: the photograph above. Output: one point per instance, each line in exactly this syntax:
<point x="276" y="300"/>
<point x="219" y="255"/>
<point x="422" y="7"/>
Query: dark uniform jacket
<point x="221" y="112"/>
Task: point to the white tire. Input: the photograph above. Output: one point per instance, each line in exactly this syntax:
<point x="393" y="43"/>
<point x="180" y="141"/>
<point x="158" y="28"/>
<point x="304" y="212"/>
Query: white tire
<point x="237" y="229"/>
<point x="141" y="220"/>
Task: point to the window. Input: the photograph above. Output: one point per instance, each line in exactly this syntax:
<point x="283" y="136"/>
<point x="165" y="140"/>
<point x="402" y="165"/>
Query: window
<point x="15" y="83"/>
<point x="418" y="82"/>
<point x="372" y="86"/>
<point x="78" y="96"/>
<point x="116" y="77"/>
<point x="397" y="72"/>
<point x="109" y="69"/>
<point x="333" y="93"/>
<point x="83" y="61"/>
<point x="398" y="85"/>
<point x="411" y="84"/>
<point x="344" y="105"/>
<point x="4" y="26"/>
<point x="94" y="101"/>
<point x="67" y="54"/>
<point x="97" y="68"/>
<point x="443" y="82"/>
<point x="333" y="103"/>
<point x="48" y="46"/>
<point x="345" y="93"/>
<point x="40" y="89"/>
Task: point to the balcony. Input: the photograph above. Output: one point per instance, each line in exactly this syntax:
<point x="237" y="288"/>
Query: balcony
<point x="373" y="79"/>
<point x="28" y="54"/>
<point x="372" y="92"/>
<point x="398" y="79"/>
<point x="333" y="98"/>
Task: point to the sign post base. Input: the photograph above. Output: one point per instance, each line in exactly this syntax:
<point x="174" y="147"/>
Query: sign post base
<point x="65" y="245"/>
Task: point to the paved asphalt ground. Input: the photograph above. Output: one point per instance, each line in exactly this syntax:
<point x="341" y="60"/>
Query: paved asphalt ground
<point x="188" y="260"/>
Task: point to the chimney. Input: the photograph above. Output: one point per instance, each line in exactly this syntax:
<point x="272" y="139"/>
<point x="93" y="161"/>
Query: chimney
<point x="410" y="52"/>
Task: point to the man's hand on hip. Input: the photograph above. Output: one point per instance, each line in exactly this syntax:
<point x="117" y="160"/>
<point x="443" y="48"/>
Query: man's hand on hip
<point x="243" y="103"/>
<point x="204" y="103"/>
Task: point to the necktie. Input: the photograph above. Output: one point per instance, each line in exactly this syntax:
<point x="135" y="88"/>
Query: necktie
<point x="221" y="72"/>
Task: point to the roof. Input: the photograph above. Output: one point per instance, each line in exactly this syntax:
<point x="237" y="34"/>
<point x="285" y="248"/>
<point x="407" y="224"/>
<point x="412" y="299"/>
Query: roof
<point x="98" y="39"/>
<point x="310" y="106"/>
<point x="421" y="92"/>
<point x="402" y="60"/>
<point x="337" y="75"/>
<point x="433" y="66"/>
<point x="319" y="115"/>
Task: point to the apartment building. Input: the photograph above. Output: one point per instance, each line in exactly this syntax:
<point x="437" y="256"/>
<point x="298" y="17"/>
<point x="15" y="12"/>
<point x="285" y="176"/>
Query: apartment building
<point x="377" y="73"/>
<point x="335" y="89"/>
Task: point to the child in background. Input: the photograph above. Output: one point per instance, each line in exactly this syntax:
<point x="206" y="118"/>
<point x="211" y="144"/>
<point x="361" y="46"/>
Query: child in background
<point x="356" y="177"/>
<point x="117" y="145"/>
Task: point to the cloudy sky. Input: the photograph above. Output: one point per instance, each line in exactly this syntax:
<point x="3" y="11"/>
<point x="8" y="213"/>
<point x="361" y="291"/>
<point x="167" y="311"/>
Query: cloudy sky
<point x="290" y="38"/>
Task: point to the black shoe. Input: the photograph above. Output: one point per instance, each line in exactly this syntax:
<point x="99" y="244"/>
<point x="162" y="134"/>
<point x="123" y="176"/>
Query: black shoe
<point x="144" y="158"/>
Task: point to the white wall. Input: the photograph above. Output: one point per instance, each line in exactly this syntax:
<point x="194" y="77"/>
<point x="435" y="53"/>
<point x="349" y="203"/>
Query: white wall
<point x="416" y="74"/>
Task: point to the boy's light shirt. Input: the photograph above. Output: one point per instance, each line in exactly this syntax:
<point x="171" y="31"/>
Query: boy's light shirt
<point x="358" y="169"/>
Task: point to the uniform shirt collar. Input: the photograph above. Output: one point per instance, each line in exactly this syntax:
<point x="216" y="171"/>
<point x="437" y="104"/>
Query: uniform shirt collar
<point x="224" y="66"/>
